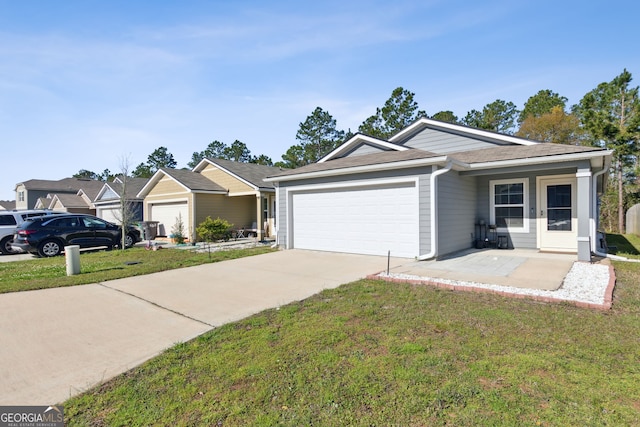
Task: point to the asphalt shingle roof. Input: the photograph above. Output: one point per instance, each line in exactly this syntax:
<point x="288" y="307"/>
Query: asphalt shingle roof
<point x="71" y="200"/>
<point x="513" y="152"/>
<point x="192" y="180"/>
<point x="250" y="172"/>
<point x="90" y="187"/>
<point x="134" y="185"/>
<point x="65" y="185"/>
<point x="8" y="204"/>
<point x="493" y="154"/>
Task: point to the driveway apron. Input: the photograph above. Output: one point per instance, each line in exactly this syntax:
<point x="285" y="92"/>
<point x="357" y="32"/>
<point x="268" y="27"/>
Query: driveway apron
<point x="59" y="342"/>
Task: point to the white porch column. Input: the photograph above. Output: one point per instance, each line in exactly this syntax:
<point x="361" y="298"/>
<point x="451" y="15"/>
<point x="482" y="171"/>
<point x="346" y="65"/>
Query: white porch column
<point x="259" y="219"/>
<point x="584" y="213"/>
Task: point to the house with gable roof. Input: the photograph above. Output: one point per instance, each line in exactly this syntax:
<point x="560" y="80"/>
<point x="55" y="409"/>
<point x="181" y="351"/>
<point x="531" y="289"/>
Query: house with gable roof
<point x="29" y="192"/>
<point x="435" y="188"/>
<point x="108" y="200"/>
<point x="230" y="190"/>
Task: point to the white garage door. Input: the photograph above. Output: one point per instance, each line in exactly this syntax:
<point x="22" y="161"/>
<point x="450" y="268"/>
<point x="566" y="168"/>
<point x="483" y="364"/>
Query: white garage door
<point x="167" y="213"/>
<point x="110" y="214"/>
<point x="365" y="220"/>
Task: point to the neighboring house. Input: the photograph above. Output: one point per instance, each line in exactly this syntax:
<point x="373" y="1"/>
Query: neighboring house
<point x="28" y="192"/>
<point x="7" y="205"/>
<point x="424" y="193"/>
<point x="226" y="189"/>
<point x="72" y="203"/>
<point x="80" y="202"/>
<point x="107" y="202"/>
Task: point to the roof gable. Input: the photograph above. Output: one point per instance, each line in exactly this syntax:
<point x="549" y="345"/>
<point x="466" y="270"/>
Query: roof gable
<point x="66" y="200"/>
<point x="189" y="180"/>
<point x="485" y="135"/>
<point x="360" y="139"/>
<point x="43" y="203"/>
<point x="112" y="190"/>
<point x="251" y="174"/>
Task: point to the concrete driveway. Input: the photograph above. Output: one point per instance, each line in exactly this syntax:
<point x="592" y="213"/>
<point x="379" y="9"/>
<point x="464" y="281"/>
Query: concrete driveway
<point x="58" y="342"/>
<point x="16" y="257"/>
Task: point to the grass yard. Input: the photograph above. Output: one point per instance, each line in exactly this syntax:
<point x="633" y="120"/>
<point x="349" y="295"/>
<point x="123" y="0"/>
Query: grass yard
<point x="375" y="353"/>
<point x="626" y="245"/>
<point x="99" y="266"/>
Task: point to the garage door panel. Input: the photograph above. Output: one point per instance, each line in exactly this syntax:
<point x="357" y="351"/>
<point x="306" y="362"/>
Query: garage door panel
<point x="110" y="214"/>
<point x="166" y="215"/>
<point x="367" y="220"/>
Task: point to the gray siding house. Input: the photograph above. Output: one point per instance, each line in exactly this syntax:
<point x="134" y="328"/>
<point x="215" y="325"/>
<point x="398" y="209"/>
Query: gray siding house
<point x="435" y="188"/>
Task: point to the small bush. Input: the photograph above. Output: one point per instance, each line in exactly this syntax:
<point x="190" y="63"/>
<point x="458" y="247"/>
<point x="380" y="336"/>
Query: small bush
<point x="211" y="230"/>
<point x="177" y="231"/>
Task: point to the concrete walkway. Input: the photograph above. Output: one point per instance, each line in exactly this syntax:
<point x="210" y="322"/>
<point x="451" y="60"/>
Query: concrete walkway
<point x="58" y="342"/>
<point x="519" y="268"/>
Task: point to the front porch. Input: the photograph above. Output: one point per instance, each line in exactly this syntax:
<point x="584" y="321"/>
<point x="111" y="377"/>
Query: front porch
<point x="552" y="210"/>
<point x="549" y="277"/>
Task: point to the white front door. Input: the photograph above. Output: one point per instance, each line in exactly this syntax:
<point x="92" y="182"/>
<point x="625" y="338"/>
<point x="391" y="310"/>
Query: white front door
<point x="558" y="219"/>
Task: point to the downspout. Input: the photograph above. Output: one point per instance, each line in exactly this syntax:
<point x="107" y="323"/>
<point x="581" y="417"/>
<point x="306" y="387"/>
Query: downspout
<point x="594" y="209"/>
<point x="594" y="231"/>
<point x="276" y="217"/>
<point x="434" y="211"/>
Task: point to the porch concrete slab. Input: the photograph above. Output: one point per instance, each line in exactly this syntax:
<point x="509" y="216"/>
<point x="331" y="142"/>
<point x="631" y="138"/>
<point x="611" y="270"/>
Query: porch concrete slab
<point x="518" y="268"/>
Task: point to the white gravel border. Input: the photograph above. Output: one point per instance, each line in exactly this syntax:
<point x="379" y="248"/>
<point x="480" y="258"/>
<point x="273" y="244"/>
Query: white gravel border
<point x="585" y="283"/>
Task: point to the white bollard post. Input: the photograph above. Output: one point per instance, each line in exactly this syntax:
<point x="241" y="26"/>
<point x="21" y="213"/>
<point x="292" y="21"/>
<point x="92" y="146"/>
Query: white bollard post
<point x="72" y="255"/>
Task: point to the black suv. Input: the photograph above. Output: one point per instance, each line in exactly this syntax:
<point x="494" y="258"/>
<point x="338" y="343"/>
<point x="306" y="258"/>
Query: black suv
<point x="9" y="222"/>
<point x="47" y="236"/>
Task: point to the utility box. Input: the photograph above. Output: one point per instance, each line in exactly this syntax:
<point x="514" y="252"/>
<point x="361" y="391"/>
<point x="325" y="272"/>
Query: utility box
<point x="72" y="256"/>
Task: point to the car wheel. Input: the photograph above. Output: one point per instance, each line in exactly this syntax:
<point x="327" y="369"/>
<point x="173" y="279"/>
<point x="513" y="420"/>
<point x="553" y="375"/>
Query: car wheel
<point x="49" y="248"/>
<point x="5" y="246"/>
<point x="129" y="241"/>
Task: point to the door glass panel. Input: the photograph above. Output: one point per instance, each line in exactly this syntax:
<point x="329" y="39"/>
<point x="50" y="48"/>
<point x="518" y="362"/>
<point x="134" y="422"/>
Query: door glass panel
<point x="559" y="207"/>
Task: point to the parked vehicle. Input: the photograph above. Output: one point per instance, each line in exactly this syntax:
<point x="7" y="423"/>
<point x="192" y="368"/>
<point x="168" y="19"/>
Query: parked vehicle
<point x="10" y="220"/>
<point x="47" y="236"/>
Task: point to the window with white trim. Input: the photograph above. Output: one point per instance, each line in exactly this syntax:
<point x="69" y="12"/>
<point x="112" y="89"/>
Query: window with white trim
<point x="509" y="204"/>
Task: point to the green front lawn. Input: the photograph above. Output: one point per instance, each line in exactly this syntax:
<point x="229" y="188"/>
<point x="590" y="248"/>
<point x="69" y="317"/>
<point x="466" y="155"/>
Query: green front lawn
<point x="375" y="353"/>
<point x="99" y="266"/>
<point x="626" y="245"/>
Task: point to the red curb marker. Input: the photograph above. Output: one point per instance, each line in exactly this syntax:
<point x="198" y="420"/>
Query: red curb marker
<point x="608" y="293"/>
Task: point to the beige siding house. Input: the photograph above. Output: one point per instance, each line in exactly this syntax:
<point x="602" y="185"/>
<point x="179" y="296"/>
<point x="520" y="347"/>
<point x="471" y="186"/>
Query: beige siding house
<point x="217" y="188"/>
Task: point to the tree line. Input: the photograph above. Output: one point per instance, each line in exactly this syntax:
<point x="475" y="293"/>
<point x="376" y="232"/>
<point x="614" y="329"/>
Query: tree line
<point x="607" y="116"/>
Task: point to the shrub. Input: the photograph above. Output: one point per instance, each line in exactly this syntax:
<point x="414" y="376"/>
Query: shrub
<point x="211" y="230"/>
<point x="177" y="231"/>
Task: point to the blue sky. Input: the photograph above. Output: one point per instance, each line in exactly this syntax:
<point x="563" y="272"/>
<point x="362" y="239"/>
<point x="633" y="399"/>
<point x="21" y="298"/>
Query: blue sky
<point x="86" y="84"/>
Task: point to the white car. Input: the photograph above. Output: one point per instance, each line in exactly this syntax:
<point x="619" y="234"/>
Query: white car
<point x="10" y="220"/>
